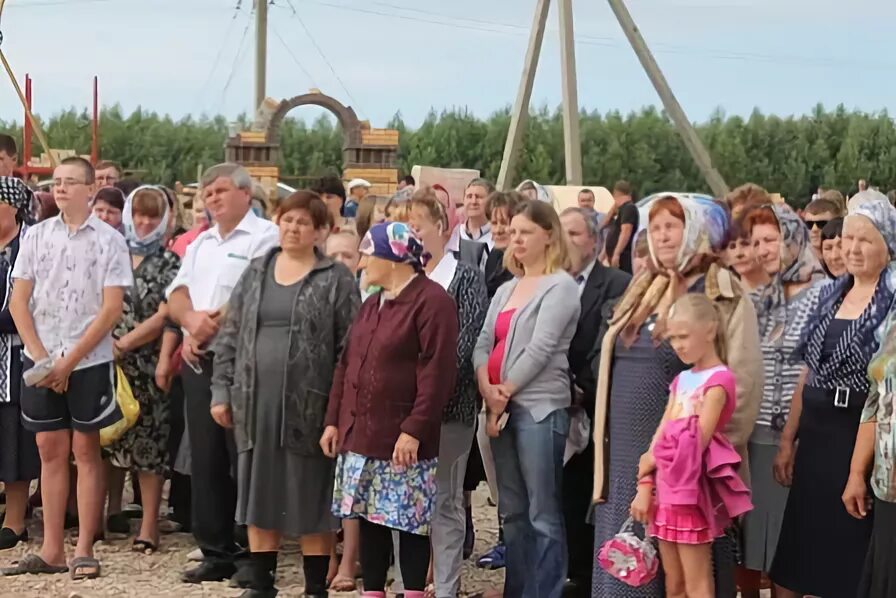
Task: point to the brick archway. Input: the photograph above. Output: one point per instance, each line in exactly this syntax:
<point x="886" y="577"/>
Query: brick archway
<point x="367" y="153"/>
<point x="348" y="120"/>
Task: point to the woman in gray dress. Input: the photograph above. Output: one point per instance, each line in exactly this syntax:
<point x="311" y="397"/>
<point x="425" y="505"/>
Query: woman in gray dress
<point x="274" y="361"/>
<point x="637" y="364"/>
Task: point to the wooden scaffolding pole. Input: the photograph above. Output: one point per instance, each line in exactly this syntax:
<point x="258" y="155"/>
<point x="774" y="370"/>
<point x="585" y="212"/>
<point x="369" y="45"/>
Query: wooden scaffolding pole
<point x="673" y="108"/>
<point x="572" y="144"/>
<point x="520" y="114"/>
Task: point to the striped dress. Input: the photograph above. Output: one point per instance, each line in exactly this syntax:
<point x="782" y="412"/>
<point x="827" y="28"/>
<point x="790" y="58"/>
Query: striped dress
<point x="763" y="524"/>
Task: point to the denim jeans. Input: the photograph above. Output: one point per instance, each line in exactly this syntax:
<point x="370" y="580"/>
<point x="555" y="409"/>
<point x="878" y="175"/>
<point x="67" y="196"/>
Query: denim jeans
<point x="529" y="464"/>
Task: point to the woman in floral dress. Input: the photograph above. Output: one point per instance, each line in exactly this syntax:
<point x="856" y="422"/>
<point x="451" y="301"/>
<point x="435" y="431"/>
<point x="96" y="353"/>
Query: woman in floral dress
<point x="145" y="446"/>
<point x="391" y="385"/>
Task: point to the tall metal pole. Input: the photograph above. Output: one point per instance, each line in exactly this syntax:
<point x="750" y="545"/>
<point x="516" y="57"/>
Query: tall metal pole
<point x="572" y="145"/>
<point x="520" y="113"/>
<point x="261" y="51"/>
<point x="676" y="112"/>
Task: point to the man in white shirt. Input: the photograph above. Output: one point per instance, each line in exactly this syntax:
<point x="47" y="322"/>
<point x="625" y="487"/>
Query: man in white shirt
<point x="197" y="298"/>
<point x="70" y="279"/>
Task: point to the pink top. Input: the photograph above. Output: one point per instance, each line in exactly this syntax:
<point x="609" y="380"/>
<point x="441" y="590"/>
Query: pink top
<point x="180" y="244"/>
<point x="496" y="358"/>
<point x="689" y="474"/>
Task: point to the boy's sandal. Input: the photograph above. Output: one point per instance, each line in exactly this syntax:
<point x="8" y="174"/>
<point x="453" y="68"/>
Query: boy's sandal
<point x="84" y="567"/>
<point x="144" y="546"/>
<point x="34" y="565"/>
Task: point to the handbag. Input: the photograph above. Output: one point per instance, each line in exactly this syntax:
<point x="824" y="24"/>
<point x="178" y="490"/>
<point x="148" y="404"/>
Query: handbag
<point x="130" y="410"/>
<point x="629" y="558"/>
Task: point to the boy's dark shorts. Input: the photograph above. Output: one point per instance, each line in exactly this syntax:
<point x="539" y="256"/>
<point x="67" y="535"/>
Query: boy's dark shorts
<point x="88" y="405"/>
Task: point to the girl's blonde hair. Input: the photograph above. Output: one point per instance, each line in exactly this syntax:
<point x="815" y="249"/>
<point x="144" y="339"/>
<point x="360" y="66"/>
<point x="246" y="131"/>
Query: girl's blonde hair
<point x="545" y="217"/>
<point x="697" y="307"/>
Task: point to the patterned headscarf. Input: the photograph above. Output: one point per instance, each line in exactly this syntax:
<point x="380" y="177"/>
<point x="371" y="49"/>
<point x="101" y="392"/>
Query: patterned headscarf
<point x="875" y="206"/>
<point x="394" y="242"/>
<point x="153" y="241"/>
<point x="799" y="265"/>
<point x="15" y="193"/>
<point x="717" y="221"/>
<point x="864" y="334"/>
<point x="656" y="289"/>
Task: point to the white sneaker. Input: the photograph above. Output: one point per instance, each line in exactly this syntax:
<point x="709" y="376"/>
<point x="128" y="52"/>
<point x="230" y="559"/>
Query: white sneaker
<point x="196" y="555"/>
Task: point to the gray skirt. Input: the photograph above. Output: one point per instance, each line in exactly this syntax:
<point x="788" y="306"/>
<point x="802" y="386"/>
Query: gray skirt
<point x="762" y="525"/>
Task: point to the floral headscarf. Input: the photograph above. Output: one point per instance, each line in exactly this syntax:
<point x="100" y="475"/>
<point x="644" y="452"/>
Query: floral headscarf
<point x="656" y="289"/>
<point x="799" y="265"/>
<point x="717" y="220"/>
<point x="394" y="242"/>
<point x="17" y="194"/>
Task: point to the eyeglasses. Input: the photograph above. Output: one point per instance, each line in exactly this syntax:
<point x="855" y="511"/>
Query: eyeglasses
<point x="819" y="223"/>
<point x="64" y="183"/>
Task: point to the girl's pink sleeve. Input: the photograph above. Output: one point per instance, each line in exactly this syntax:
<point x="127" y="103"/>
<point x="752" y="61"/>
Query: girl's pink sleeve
<point x="725" y="379"/>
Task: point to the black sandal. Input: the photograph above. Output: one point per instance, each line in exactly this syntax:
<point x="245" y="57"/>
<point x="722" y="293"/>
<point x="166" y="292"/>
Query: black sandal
<point x="34" y="565"/>
<point x="144" y="546"/>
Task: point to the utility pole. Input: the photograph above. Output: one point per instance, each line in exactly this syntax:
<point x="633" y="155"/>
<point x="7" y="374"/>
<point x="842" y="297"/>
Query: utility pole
<point x="572" y="145"/>
<point x="520" y="113"/>
<point x="676" y="112"/>
<point x="261" y="51"/>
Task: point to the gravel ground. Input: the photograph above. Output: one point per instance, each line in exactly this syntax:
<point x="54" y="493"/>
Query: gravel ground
<point x="128" y="574"/>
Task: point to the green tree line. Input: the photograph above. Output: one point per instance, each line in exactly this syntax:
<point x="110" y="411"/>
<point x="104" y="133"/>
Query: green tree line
<point x="791" y="156"/>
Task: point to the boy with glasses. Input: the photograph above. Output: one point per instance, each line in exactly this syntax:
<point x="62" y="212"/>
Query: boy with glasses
<point x="70" y="278"/>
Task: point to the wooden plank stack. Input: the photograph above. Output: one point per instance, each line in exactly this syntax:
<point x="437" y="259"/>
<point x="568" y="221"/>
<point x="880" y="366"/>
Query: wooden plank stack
<point x="380" y="137"/>
<point x="383" y="181"/>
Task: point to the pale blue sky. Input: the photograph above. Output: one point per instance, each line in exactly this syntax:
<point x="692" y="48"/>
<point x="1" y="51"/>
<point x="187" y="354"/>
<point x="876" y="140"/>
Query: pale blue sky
<point x="782" y="56"/>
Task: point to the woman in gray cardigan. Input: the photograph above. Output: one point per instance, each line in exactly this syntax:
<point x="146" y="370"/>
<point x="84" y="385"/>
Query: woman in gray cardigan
<point x="523" y="375"/>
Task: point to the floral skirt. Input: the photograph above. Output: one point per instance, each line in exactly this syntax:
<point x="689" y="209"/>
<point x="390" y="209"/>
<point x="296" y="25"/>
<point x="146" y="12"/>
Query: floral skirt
<point x="401" y="498"/>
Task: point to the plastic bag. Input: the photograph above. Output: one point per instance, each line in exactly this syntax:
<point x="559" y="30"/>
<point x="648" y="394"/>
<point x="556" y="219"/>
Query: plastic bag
<point x="130" y="410"/>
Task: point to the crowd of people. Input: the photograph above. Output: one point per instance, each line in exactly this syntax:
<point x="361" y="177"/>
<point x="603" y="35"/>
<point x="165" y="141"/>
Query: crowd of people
<point x="345" y="370"/>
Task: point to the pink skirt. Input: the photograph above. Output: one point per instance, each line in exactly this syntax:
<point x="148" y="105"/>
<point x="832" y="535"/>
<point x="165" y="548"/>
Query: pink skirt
<point x="681" y="525"/>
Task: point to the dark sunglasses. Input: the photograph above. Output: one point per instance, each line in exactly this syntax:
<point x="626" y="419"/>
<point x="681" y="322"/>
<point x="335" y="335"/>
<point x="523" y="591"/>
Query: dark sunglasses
<point x="819" y="223"/>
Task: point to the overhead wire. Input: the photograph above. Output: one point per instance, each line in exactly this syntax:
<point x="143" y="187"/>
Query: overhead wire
<point x="293" y="55"/>
<point x="323" y="56"/>
<point x="220" y="54"/>
<point x="236" y="59"/>
<point x="468" y="23"/>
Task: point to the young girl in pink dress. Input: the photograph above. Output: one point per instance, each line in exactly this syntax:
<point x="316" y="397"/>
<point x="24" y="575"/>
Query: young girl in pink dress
<point x="688" y="487"/>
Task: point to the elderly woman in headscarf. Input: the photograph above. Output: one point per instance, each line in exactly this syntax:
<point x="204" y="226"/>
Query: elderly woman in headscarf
<point x="19" y="459"/>
<point x="637" y="364"/>
<point x="836" y="346"/>
<point x="784" y="307"/>
<point x="874" y="456"/>
<point x="391" y="385"/>
<point x="138" y="335"/>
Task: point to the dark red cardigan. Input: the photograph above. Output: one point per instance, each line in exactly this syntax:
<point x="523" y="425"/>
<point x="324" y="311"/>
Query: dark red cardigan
<point x="397" y="372"/>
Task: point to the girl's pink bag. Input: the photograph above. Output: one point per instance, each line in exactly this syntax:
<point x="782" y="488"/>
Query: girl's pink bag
<point x="628" y="558"/>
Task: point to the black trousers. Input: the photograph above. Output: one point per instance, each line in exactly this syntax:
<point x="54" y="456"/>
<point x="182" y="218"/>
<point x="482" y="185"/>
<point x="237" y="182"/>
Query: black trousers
<point x="578" y="485"/>
<point x="376" y="555"/>
<point x="179" y="494"/>
<point x="213" y="460"/>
